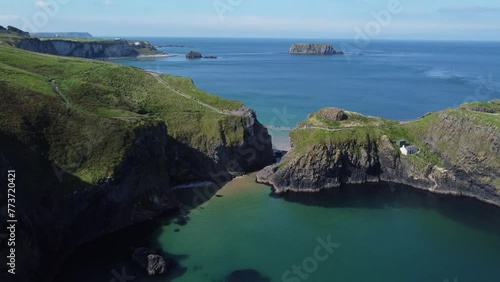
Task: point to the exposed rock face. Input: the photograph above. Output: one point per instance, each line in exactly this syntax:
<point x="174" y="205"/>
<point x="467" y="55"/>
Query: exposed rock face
<point x="219" y="161"/>
<point x="52" y="226"/>
<point x="17" y="31"/>
<point x="59" y="207"/>
<point x="2" y="28"/>
<point x="334" y="114"/>
<point x="90" y="50"/>
<point x="313" y="49"/>
<point x="470" y="152"/>
<point x="194" y="55"/>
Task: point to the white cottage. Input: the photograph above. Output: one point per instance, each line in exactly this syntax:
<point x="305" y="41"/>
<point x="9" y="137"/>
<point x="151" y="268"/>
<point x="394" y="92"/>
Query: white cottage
<point x="408" y="150"/>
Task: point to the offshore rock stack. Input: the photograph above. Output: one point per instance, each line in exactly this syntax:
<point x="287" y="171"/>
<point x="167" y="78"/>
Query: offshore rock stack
<point x="313" y="49"/>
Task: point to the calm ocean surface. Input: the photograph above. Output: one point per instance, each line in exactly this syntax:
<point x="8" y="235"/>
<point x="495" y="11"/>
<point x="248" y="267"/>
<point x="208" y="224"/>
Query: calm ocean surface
<point x="392" y="79"/>
<point x="384" y="232"/>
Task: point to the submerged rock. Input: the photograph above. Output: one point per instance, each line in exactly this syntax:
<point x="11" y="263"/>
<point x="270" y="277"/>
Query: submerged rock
<point x="210" y="57"/>
<point x="246" y="275"/>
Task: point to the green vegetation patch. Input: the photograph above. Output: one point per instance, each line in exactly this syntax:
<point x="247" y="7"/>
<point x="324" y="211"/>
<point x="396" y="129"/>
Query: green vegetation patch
<point x="492" y="107"/>
<point x="187" y="86"/>
<point x="356" y="132"/>
<point x="352" y="119"/>
<point x="88" y="125"/>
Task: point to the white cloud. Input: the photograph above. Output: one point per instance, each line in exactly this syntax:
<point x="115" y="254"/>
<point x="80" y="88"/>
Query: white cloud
<point x="8" y="18"/>
<point x="469" y="9"/>
<point x="108" y="3"/>
<point x="40" y="4"/>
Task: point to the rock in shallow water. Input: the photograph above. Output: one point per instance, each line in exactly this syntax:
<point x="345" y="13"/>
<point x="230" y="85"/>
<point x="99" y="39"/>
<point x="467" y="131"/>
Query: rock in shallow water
<point x="246" y="275"/>
<point x="152" y="262"/>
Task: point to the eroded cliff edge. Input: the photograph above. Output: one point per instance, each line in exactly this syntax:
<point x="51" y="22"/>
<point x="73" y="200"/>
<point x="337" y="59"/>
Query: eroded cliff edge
<point x="90" y="48"/>
<point x="459" y="153"/>
<point x="97" y="147"/>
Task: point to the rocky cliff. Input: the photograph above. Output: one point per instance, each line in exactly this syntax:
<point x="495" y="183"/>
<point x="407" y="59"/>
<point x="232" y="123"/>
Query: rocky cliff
<point x="459" y="154"/>
<point x="97" y="147"/>
<point x="313" y="49"/>
<point x="81" y="47"/>
<point x="91" y="50"/>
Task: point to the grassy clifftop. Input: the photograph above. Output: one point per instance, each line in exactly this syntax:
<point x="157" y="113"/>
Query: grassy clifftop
<point x="458" y="153"/>
<point x="464" y="139"/>
<point x="82" y="114"/>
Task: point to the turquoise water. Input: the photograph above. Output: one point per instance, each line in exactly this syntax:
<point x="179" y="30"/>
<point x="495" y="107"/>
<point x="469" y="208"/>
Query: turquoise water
<point x="383" y="232"/>
<point x="380" y="233"/>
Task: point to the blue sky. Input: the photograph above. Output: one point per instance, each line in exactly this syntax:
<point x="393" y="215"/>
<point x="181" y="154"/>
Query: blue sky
<point x="399" y="19"/>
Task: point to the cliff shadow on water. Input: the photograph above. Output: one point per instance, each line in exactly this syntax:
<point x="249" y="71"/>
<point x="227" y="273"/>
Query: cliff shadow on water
<point x="112" y="255"/>
<point x="461" y="209"/>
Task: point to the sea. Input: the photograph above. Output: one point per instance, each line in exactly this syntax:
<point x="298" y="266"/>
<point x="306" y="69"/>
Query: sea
<point x="377" y="232"/>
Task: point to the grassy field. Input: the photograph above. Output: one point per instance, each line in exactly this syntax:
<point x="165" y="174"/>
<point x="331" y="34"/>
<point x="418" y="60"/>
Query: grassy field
<point x="358" y="129"/>
<point x="9" y="39"/>
<point x="353" y="120"/>
<point x="75" y="39"/>
<point x="481" y="106"/>
<point x="88" y="125"/>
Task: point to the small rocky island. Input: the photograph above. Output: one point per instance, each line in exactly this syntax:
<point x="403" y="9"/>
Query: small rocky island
<point x="313" y="49"/>
<point x="198" y="55"/>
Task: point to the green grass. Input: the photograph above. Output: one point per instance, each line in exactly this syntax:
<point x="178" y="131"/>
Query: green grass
<point x="9" y="39"/>
<point x="78" y="39"/>
<point x="108" y="103"/>
<point x="445" y="142"/>
<point x="353" y="120"/>
<point x="481" y="106"/>
<point x="147" y="52"/>
<point x="187" y="86"/>
<point x="365" y="129"/>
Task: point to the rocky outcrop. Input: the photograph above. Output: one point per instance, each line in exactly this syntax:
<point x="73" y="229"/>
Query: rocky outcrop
<point x="17" y="31"/>
<point x="193" y="55"/>
<point x="217" y="160"/>
<point x="313" y="49"/>
<point x="90" y="50"/>
<point x="333" y="114"/>
<point x="467" y="147"/>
